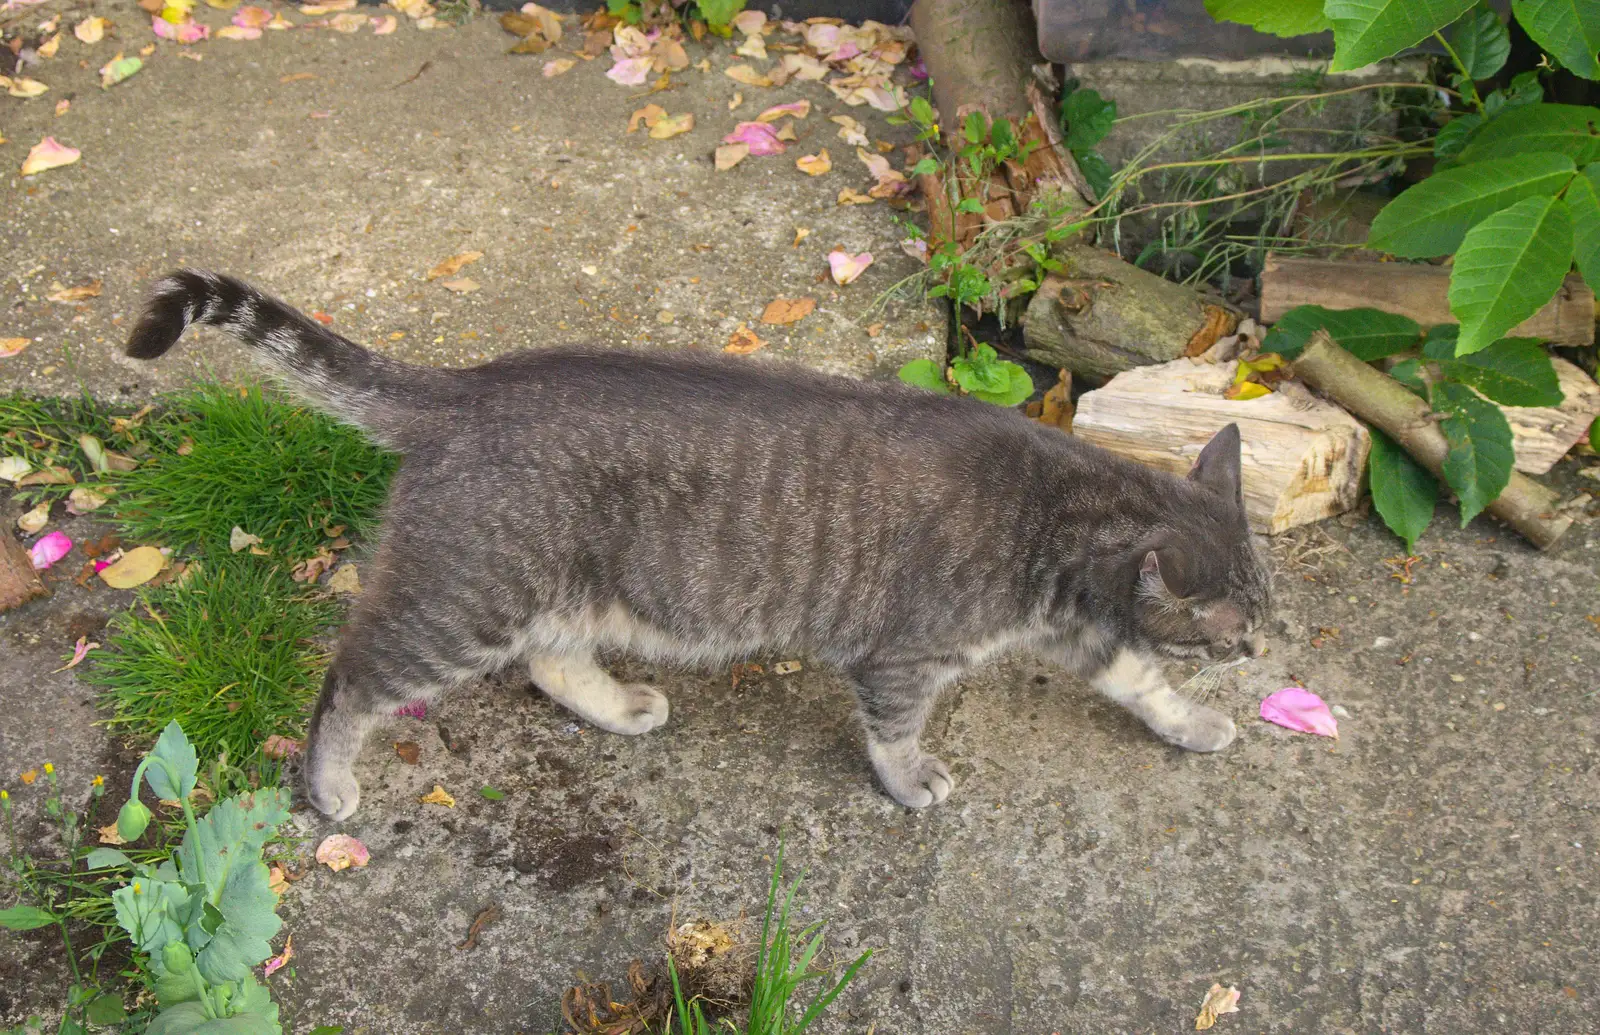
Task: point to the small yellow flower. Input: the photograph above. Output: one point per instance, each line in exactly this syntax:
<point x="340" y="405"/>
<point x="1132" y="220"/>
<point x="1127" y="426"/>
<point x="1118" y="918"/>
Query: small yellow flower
<point x="48" y="769"/>
<point x="29" y="776"/>
<point x="99" y="781"/>
<point x="136" y="887"/>
<point x="5" y="795"/>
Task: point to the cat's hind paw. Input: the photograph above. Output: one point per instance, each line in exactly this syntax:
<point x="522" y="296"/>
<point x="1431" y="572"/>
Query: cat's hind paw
<point x="912" y="778"/>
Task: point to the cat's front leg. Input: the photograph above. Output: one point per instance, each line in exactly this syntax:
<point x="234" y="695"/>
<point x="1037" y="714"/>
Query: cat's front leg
<point x="895" y="702"/>
<point x="1135" y="682"/>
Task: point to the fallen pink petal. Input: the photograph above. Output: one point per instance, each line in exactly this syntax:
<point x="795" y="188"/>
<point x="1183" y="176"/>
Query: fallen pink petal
<point x="383" y="26"/>
<point x="341" y="851"/>
<point x="630" y="71"/>
<point x="49" y="549"/>
<point x="412" y="710"/>
<point x="252" y="17"/>
<point x="48" y="154"/>
<point x="188" y="32"/>
<point x="279" y="746"/>
<point x="1297" y="708"/>
<point x="760" y="136"/>
<point x="80" y="650"/>
<point x="277" y="962"/>
<point x="846" y="267"/>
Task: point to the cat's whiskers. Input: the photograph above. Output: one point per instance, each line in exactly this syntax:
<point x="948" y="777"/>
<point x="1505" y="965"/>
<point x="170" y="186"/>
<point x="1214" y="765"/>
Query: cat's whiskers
<point x="1204" y="684"/>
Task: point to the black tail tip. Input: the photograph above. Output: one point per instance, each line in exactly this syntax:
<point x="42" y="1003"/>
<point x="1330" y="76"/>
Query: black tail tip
<point x="166" y="315"/>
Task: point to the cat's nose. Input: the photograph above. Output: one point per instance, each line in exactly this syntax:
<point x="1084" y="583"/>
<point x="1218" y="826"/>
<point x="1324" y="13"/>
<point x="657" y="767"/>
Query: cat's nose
<point x="1256" y="643"/>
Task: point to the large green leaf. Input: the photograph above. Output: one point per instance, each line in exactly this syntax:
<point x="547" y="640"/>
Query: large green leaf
<point x="191" y="1019"/>
<point x="1433" y="217"/>
<point x="1368" y="334"/>
<point x="1478" y="466"/>
<point x="25" y="918"/>
<point x="173" y="748"/>
<point x="1569" y="29"/>
<point x="1278" y="17"/>
<point x="1509" y="266"/>
<point x="1481" y="41"/>
<point x="1511" y="372"/>
<point x="1583" y="206"/>
<point x="228" y="841"/>
<point x="1567" y="129"/>
<point x="1088" y="117"/>
<point x="1365" y="31"/>
<point x="1453" y="135"/>
<point x="148" y="909"/>
<point x="925" y="373"/>
<point x="1403" y="492"/>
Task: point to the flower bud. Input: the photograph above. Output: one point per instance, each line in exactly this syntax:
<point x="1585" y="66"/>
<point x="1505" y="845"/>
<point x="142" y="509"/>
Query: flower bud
<point x="132" y="820"/>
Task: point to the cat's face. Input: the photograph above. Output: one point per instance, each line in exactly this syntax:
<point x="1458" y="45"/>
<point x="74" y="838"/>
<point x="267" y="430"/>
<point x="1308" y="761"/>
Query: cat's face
<point x="1207" y="592"/>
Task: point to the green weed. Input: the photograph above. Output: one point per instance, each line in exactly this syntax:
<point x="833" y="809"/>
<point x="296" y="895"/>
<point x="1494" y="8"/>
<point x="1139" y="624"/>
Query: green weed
<point x="229" y="456"/>
<point x="230" y="652"/>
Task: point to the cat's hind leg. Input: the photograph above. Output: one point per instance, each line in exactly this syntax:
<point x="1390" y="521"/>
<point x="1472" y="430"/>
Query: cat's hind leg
<point x="895" y="703"/>
<point x="1138" y="685"/>
<point x="578" y="684"/>
<point x="361" y="689"/>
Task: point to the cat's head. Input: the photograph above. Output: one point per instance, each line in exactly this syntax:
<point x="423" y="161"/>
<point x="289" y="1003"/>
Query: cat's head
<point x="1204" y="589"/>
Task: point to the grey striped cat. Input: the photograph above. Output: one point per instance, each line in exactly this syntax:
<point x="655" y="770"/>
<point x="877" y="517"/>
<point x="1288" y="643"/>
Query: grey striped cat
<point x="697" y="508"/>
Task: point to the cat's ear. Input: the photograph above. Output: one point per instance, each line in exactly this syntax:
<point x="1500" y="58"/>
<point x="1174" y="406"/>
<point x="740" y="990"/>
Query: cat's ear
<point x="1218" y="466"/>
<point x="1167" y="568"/>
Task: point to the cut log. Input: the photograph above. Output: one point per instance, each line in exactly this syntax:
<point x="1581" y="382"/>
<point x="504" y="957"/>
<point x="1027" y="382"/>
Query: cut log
<point x="1303" y="457"/>
<point x="1374" y="396"/>
<point x="19" y="582"/>
<point x="1541" y="435"/>
<point x="1418" y="291"/>
<point x="1102" y="316"/>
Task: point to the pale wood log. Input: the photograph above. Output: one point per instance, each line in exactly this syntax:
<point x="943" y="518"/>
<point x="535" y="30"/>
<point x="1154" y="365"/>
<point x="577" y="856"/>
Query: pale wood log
<point x="1374" y="396"/>
<point x="19" y="582"/>
<point x="1542" y="435"/>
<point x="1418" y="291"/>
<point x="1101" y="316"/>
<point x="1302" y="457"/>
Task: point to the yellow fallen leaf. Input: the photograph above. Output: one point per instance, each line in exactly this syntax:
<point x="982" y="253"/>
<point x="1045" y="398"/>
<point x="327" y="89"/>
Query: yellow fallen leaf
<point x="348" y="22"/>
<point x="753" y="47"/>
<point x="22" y="86"/>
<point x="786" y="132"/>
<point x="48" y="48"/>
<point x="313" y="10"/>
<point x="12" y="346"/>
<point x="29" y="776"/>
<point x="671" y="126"/>
<point x="851" y="196"/>
<point x="738" y="99"/>
<point x="137" y="566"/>
<point x="850" y="131"/>
<point x="60" y="293"/>
<point x="438" y="796"/>
<point x="1246" y="390"/>
<point x="62" y="107"/>
<point x="788" y="310"/>
<point x="800" y="234"/>
<point x="730" y="155"/>
<point x="557" y="66"/>
<point x="109" y="835"/>
<point x="346" y="580"/>
<point x="91" y="30"/>
<point x="746" y="75"/>
<point x="743" y="342"/>
<point x="35" y="519"/>
<point x="649" y="115"/>
<point x="794" y="109"/>
<point x="1218" y="1001"/>
<point x="451" y="266"/>
<point x="814" y="165"/>
<point x="461" y="285"/>
<point x="276" y="883"/>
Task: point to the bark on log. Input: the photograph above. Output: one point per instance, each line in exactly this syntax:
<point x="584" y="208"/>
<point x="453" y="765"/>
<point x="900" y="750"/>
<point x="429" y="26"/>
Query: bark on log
<point x="1103" y="316"/>
<point x="19" y="582"/>
<point x="1418" y="291"/>
<point x="1302" y="457"/>
<point x="1376" y="397"/>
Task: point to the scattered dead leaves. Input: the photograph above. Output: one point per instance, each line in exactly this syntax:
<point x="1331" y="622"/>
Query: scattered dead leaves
<point x="788" y="310"/>
<point x="312" y="568"/>
<point x="744" y="341"/>
<point x="815" y="165"/>
<point x="438" y="796"/>
<point x="451" y="266"/>
<point x="409" y="751"/>
<point x="485" y="917"/>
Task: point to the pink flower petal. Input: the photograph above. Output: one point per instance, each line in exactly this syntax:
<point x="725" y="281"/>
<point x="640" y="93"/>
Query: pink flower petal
<point x="276" y="962"/>
<point x="383" y="26"/>
<point x="278" y="746"/>
<point x="761" y="137"/>
<point x="48" y="154"/>
<point x="341" y="851"/>
<point x="846" y="267"/>
<point x="918" y="70"/>
<point x="49" y="549"/>
<point x="252" y="17"/>
<point x="749" y="22"/>
<point x="631" y="71"/>
<point x="412" y="710"/>
<point x="1299" y="709"/>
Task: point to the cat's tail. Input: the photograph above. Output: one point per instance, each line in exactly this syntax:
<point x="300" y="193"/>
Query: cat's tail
<point x="376" y="394"/>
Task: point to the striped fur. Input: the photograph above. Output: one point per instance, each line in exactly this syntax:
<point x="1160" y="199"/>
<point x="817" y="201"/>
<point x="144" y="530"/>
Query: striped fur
<point x="695" y="508"/>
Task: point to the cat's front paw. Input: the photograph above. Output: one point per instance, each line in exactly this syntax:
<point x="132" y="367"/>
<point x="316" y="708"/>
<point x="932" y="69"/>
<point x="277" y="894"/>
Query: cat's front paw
<point x="915" y="780"/>
<point x="1201" y="729"/>
<point x="639" y="709"/>
<point x="335" y="794"/>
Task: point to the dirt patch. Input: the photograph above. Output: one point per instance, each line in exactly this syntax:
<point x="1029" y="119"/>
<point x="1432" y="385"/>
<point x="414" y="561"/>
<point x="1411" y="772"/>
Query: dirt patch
<point x="562" y="860"/>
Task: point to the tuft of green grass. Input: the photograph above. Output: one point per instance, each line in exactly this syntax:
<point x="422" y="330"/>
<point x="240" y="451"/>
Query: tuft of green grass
<point x="45" y="433"/>
<point x="230" y="652"/>
<point x="782" y="967"/>
<point x="226" y="455"/>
